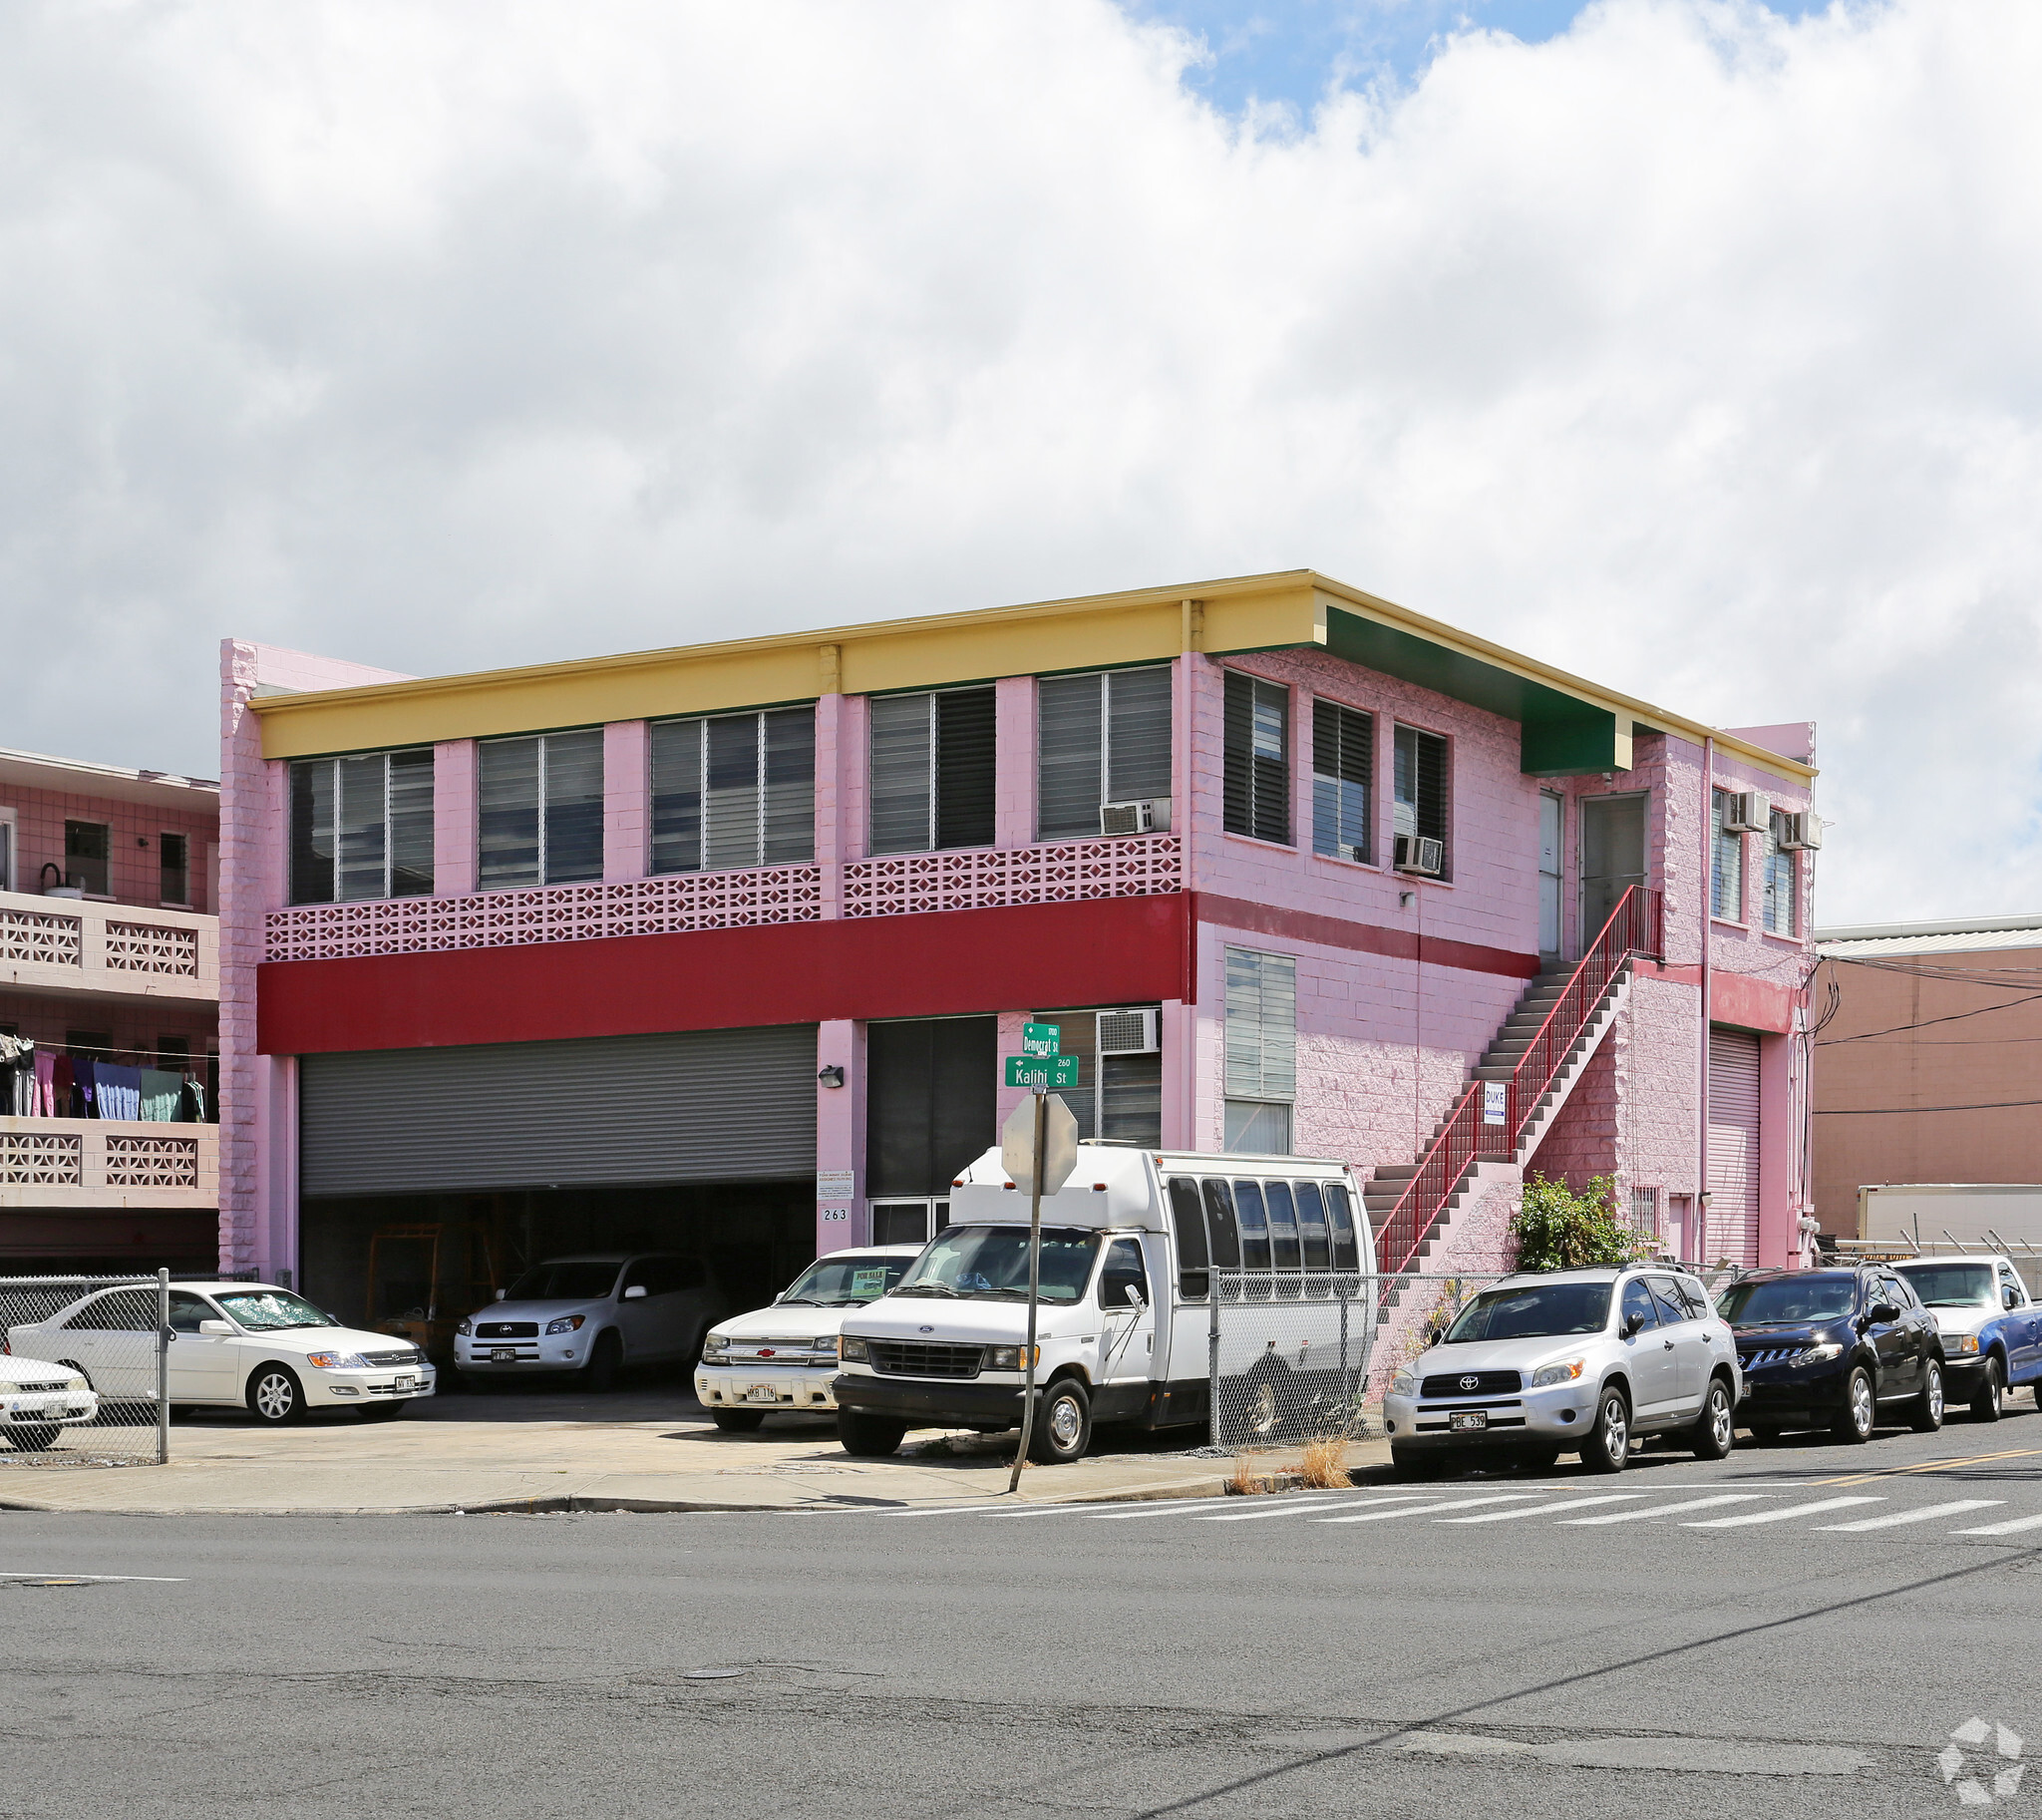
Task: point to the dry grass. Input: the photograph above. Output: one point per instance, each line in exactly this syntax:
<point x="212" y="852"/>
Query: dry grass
<point x="1252" y="1477"/>
<point x="1323" y="1465"/>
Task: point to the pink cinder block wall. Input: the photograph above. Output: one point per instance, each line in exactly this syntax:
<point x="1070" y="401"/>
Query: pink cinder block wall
<point x="258" y="1124"/>
<point x="626" y="799"/>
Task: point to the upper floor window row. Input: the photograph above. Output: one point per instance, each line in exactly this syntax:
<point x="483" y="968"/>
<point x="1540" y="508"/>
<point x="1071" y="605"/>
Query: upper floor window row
<point x="361" y="827"/>
<point x="734" y="790"/>
<point x="1257" y="777"/>
<point x="540" y="810"/>
<point x="931" y="769"/>
<point x="1100" y="738"/>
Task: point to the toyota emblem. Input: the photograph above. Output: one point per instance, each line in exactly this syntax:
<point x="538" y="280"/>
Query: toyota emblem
<point x="1470" y="1383"/>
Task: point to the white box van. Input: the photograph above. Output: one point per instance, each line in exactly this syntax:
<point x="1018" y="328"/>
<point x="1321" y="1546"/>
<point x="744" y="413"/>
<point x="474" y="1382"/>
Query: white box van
<point x="1130" y="1249"/>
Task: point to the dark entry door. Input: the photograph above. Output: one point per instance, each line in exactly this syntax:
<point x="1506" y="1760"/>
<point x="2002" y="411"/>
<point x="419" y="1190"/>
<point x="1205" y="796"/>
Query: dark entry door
<point x="1612" y="856"/>
<point x="929" y="1086"/>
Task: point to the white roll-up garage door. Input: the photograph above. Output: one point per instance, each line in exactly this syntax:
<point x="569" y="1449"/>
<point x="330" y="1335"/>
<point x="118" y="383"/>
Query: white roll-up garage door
<point x="1733" y="1225"/>
<point x="692" y="1106"/>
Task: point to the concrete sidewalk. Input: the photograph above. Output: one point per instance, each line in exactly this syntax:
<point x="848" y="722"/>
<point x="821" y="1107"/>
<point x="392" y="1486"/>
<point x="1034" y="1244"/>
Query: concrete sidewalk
<point x="645" y="1449"/>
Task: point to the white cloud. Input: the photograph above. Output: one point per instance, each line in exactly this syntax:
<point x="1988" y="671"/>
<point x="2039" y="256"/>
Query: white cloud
<point x="1693" y="351"/>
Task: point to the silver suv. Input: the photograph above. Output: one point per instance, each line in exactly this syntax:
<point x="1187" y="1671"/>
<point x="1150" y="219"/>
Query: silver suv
<point x="1571" y="1361"/>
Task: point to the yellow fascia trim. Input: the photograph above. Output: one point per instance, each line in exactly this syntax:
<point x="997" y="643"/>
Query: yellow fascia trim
<point x="1145" y="627"/>
<point x="1629" y="709"/>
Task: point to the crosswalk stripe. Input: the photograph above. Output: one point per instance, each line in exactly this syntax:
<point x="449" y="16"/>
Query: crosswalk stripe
<point x="1426" y="1510"/>
<point x="2002" y="1529"/>
<point x="1545" y="1509"/>
<point x="1667" y="1510"/>
<point x="1899" y="1518"/>
<point x="1779" y="1516"/>
<point x="1298" y="1510"/>
<point x="1120" y="1516"/>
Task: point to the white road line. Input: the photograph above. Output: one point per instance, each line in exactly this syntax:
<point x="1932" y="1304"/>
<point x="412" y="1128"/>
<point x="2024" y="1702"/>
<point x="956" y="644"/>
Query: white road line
<point x="1545" y="1509"/>
<point x="154" y="1580"/>
<point x="1910" y="1515"/>
<point x="2002" y="1529"/>
<point x="1779" y="1516"/>
<point x="1426" y="1510"/>
<point x="1298" y="1510"/>
<point x="1667" y="1510"/>
<point x="1151" y="1510"/>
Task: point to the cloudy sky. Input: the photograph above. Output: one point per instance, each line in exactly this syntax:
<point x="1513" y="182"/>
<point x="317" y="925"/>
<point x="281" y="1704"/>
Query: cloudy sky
<point x="1690" y="344"/>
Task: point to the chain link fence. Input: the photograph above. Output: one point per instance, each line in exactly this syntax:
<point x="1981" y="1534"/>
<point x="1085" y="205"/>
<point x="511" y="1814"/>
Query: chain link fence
<point x="83" y="1378"/>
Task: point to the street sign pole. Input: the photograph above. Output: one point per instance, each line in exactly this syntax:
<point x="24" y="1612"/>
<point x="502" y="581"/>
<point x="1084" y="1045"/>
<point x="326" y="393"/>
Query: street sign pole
<point x="1034" y="1283"/>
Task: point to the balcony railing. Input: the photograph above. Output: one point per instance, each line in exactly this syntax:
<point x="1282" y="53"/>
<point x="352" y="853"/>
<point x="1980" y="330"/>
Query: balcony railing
<point x="67" y="944"/>
<point x="108" y="1163"/>
<point x="897" y="885"/>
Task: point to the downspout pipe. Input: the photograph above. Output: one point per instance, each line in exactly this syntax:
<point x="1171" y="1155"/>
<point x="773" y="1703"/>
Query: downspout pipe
<point x="1708" y="916"/>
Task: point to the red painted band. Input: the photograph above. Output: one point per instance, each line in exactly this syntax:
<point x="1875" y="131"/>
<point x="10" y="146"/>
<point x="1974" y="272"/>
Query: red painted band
<point x="1361" y="937"/>
<point x="1114" y="951"/>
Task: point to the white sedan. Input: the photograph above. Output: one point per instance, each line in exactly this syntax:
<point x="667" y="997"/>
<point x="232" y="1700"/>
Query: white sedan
<point x="38" y="1400"/>
<point x="238" y="1345"/>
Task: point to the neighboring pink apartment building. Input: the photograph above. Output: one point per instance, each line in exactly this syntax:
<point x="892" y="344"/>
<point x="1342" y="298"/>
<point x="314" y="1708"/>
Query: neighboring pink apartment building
<point x="718" y="948"/>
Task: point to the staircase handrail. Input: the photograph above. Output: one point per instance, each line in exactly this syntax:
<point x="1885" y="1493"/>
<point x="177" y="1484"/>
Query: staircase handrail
<point x="1635" y="927"/>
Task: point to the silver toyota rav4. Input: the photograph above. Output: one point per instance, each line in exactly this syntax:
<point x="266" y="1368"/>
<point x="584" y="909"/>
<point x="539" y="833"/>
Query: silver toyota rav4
<point x="1575" y="1362"/>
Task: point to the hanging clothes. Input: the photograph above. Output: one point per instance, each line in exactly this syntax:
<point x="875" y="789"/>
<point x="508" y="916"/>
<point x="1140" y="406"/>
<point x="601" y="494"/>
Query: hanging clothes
<point x="46" y="1086"/>
<point x="83" y="1087"/>
<point x="160" y="1095"/>
<point x="191" y="1103"/>
<point x="120" y="1090"/>
<point x="25" y="1056"/>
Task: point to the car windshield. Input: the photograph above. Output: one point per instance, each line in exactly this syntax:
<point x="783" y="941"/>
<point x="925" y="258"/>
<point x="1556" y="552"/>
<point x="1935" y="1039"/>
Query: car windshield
<point x="266" y="1310"/>
<point x="992" y="1261"/>
<point x="1787" y="1302"/>
<point x="1953" y="1285"/>
<point x="1532" y="1312"/>
<point x="843" y="1283"/>
<point x="572" y="1280"/>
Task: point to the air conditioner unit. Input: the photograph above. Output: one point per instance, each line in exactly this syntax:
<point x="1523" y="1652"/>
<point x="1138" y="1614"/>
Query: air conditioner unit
<point x="1128" y="1032"/>
<point x="1148" y="815"/>
<point x="1746" y="812"/>
<point x="1801" y="831"/>
<point x="1420" y="854"/>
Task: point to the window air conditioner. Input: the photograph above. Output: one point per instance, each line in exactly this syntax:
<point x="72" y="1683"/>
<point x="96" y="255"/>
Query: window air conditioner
<point x="1420" y="854"/>
<point x="1128" y="1032"/>
<point x="1150" y="814"/>
<point x="1746" y="812"/>
<point x="1801" y="832"/>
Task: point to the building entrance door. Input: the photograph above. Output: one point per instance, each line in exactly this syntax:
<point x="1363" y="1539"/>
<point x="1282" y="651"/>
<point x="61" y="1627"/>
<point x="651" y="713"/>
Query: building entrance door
<point x="1612" y="856"/>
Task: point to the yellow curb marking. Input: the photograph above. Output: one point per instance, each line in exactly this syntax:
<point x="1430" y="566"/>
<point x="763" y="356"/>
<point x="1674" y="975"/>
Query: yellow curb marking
<point x="1895" y="1472"/>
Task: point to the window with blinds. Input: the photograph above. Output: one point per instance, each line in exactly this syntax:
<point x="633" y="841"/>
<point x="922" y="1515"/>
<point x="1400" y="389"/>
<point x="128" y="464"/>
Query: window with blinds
<point x="1418" y="785"/>
<point x="541" y="810"/>
<point x="1781" y="872"/>
<point x="734" y="790"/>
<point x="1726" y="869"/>
<point x="931" y="771"/>
<point x="1119" y="1096"/>
<point x="1098" y="739"/>
<point x="361" y="827"/>
<point x="1343" y="768"/>
<point x="1257" y="758"/>
<point x="1262" y="1050"/>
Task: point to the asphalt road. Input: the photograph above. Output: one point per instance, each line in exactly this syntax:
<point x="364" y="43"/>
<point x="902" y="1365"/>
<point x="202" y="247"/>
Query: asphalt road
<point x="1533" y="1653"/>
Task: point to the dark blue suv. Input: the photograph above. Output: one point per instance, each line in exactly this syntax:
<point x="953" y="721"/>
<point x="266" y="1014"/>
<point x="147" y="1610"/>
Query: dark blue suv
<point x="1831" y="1349"/>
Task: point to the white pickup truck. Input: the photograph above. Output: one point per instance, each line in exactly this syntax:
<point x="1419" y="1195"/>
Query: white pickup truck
<point x="1991" y="1327"/>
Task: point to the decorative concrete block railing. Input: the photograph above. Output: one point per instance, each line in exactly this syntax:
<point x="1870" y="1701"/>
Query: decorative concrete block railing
<point x="903" y="883"/>
<point x="108" y="1163"/>
<point x="71" y="943"/>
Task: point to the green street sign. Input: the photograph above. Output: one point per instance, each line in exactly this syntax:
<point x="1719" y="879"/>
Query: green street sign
<point x="1039" y="1040"/>
<point x="1041" y="1072"/>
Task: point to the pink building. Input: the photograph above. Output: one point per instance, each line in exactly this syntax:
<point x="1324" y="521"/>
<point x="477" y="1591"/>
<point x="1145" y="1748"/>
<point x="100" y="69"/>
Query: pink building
<point x="719" y="948"/>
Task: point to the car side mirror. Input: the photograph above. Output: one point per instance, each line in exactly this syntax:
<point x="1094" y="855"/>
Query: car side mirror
<point x="2009" y="1299"/>
<point x="637" y="1292"/>
<point x="217" y="1329"/>
<point x="1885" y="1310"/>
<point x="1632" y="1323"/>
<point x="1135" y="1300"/>
<point x="500" y="1293"/>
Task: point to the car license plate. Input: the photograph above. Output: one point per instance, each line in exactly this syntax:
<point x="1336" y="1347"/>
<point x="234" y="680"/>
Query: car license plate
<point x="1462" y="1420"/>
<point x="406" y="1383"/>
<point x="502" y="1355"/>
<point x="762" y="1393"/>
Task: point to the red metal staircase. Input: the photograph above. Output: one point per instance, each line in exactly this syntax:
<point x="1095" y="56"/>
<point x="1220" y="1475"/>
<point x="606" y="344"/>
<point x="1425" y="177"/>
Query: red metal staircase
<point x="1531" y="1051"/>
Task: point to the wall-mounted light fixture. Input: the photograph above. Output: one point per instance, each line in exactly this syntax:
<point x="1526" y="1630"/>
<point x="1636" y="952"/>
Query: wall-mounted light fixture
<point x="1405" y="898"/>
<point x="831" y="1076"/>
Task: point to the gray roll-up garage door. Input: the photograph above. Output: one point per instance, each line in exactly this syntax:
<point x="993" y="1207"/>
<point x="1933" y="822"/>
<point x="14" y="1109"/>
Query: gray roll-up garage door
<point x="694" y="1106"/>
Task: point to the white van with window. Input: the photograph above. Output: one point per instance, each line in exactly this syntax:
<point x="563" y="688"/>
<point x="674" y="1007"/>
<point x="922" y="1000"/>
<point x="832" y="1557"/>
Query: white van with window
<point x="1125" y="1317"/>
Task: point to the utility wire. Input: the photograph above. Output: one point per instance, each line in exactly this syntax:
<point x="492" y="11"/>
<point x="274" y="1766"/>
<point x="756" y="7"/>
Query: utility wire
<point x="1865" y="1112"/>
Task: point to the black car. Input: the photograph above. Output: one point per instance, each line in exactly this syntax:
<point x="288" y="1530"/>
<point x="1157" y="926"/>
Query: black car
<point x="1831" y="1349"/>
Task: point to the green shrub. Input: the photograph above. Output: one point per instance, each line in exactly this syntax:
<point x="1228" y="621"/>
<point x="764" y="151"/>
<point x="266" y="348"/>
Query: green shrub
<point x="1557" y="1230"/>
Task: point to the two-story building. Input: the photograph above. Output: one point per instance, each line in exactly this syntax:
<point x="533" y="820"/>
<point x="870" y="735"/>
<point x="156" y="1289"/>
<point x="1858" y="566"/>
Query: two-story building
<point x="719" y="948"/>
<point x="108" y="1018"/>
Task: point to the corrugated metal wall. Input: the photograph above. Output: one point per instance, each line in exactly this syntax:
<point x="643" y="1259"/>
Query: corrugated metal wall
<point x="1733" y="1222"/>
<point x="694" y="1106"/>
